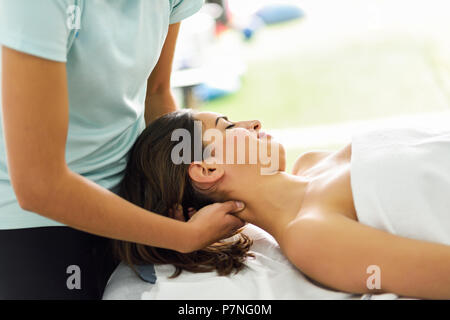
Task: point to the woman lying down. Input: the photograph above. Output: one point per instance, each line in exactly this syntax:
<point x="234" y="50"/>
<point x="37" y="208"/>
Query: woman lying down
<point x="380" y="202"/>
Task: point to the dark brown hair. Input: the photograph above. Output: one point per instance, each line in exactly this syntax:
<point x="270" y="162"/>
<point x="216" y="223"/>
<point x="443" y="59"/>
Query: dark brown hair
<point x="154" y="182"/>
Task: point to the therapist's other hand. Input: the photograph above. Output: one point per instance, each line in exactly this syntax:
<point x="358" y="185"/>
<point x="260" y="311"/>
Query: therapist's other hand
<point x="213" y="223"/>
<point x="177" y="213"/>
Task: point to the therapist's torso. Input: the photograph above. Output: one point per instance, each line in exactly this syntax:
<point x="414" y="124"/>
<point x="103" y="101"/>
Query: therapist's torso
<point x="108" y="61"/>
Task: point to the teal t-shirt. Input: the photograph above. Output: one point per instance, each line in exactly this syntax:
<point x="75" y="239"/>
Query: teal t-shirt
<point x="110" y="48"/>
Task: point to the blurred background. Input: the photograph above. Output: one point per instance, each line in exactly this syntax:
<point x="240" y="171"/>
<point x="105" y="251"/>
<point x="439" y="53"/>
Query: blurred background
<point x="316" y="71"/>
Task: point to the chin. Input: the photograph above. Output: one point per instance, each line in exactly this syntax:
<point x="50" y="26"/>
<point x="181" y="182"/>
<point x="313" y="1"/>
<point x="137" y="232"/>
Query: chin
<point x="282" y="158"/>
<point x="277" y="160"/>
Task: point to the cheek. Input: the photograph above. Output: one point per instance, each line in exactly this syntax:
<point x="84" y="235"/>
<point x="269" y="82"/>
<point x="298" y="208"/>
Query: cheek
<point x="240" y="146"/>
<point x="215" y="149"/>
<point x="271" y="154"/>
<point x="282" y="157"/>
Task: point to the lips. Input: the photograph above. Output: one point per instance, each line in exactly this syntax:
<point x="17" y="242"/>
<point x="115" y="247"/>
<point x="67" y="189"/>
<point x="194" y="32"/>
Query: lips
<point x="262" y="134"/>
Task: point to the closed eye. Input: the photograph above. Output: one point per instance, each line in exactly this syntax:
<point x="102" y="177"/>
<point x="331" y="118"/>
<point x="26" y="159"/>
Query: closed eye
<point x="230" y="126"/>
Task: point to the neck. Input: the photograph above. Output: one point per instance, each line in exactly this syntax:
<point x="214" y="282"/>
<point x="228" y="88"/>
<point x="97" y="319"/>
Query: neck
<point x="272" y="202"/>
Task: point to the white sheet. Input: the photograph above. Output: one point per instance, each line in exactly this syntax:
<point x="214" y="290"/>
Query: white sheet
<point x="269" y="276"/>
<point x="401" y="181"/>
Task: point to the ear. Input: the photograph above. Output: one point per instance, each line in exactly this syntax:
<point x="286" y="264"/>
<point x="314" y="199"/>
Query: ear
<point x="206" y="174"/>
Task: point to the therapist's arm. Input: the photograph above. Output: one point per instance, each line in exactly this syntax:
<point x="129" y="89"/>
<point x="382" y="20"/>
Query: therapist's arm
<point x="159" y="99"/>
<point x="35" y="122"/>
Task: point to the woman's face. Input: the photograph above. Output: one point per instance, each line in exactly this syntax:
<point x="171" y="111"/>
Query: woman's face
<point x="244" y="146"/>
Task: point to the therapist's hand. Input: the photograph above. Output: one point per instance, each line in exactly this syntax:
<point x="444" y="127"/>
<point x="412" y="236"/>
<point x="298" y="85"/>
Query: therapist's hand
<point x="213" y="223"/>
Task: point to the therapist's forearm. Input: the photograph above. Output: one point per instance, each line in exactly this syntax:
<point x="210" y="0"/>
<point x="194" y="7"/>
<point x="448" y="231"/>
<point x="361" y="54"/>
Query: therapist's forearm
<point x="80" y="203"/>
<point x="158" y="104"/>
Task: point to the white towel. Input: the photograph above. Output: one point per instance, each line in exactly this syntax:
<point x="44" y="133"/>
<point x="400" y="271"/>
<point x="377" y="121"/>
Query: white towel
<point x="268" y="276"/>
<point x="400" y="181"/>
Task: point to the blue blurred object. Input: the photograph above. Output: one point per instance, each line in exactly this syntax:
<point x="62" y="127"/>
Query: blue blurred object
<point x="210" y="90"/>
<point x="275" y="13"/>
<point x="255" y="23"/>
<point x="271" y="14"/>
<point x="206" y="93"/>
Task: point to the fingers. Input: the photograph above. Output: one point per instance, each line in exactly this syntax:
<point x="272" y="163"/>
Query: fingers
<point x="239" y="212"/>
<point x="235" y="222"/>
<point x="218" y="221"/>
<point x="233" y="206"/>
<point x="191" y="212"/>
<point x="177" y="213"/>
<point x="237" y="225"/>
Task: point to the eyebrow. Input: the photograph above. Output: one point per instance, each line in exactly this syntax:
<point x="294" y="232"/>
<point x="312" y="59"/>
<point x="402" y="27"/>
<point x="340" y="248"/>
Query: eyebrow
<point x="221" y="117"/>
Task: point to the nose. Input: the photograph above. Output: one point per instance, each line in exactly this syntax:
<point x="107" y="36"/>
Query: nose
<point x="251" y="125"/>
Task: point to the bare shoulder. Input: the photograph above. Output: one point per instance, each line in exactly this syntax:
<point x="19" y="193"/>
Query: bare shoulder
<point x="315" y="236"/>
<point x="307" y="160"/>
<point x="320" y="246"/>
<point x="301" y="236"/>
